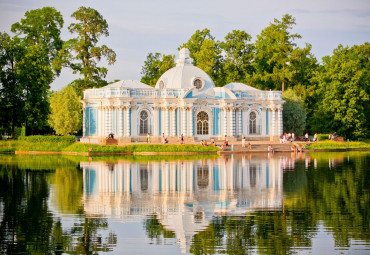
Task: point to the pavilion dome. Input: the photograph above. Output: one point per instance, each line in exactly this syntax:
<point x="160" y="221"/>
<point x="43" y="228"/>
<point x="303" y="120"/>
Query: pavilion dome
<point x="185" y="75"/>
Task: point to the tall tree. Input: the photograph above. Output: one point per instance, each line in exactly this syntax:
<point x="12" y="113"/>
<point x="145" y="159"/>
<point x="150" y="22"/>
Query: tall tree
<point x="154" y="67"/>
<point x="65" y="117"/>
<point x="238" y="56"/>
<point x="11" y="89"/>
<point x="274" y="47"/>
<point x="344" y="93"/>
<point x="294" y="114"/>
<point x="82" y="53"/>
<point x="39" y="33"/>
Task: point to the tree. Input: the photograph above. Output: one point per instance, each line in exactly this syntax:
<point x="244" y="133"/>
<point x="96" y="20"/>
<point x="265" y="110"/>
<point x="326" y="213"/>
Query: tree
<point x="154" y="67"/>
<point x="294" y="114"/>
<point x="274" y="47"/>
<point x="11" y="89"/>
<point x="82" y="53"/>
<point x="238" y="56"/>
<point x="344" y="93"/>
<point x="39" y="35"/>
<point x="65" y="115"/>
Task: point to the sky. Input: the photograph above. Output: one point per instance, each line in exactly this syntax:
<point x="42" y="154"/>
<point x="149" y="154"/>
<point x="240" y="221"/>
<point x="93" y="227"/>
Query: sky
<point x="138" y="27"/>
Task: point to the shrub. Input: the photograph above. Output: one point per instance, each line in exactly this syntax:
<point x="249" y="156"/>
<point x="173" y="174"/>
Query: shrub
<point x="322" y="137"/>
<point x="54" y="139"/>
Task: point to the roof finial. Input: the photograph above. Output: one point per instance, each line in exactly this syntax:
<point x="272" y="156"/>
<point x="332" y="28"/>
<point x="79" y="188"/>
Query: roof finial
<point x="184" y="58"/>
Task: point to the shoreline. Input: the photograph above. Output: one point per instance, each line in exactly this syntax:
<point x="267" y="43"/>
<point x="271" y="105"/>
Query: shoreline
<point x="150" y="153"/>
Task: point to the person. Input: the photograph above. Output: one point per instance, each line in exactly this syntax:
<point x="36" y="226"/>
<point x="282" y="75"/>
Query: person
<point x="232" y="147"/>
<point x="249" y="146"/>
<point x="147" y="138"/>
<point x="226" y="141"/>
<point x="306" y="137"/>
<point x="163" y="138"/>
<point x="202" y="143"/>
<point x="243" y="141"/>
<point x="293" y="137"/>
<point x="270" y="149"/>
<point x="315" y="137"/>
<point x="329" y="137"/>
<point x="182" y="138"/>
<point x="205" y="143"/>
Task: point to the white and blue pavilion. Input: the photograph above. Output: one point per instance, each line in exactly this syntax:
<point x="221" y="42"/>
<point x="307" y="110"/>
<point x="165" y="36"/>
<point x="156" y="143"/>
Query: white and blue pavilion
<point x="184" y="101"/>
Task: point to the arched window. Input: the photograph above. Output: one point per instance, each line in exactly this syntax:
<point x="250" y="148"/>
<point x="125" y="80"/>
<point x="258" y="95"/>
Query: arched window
<point x="252" y="123"/>
<point x="202" y="123"/>
<point x="144" y="118"/>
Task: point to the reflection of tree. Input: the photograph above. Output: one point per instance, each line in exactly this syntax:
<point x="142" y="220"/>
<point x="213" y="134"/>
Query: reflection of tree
<point x="337" y="198"/>
<point x="67" y="191"/>
<point x="27" y="224"/>
<point x="155" y="230"/>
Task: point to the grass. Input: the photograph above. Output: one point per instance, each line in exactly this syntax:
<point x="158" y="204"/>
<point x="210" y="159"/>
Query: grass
<point x="331" y="145"/>
<point x="21" y="145"/>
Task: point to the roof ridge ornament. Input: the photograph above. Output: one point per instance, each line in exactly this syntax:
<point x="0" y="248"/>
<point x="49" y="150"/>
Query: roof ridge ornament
<point x="184" y="58"/>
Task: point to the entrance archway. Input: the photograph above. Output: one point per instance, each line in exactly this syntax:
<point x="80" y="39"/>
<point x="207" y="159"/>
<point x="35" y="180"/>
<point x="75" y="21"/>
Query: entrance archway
<point x="144" y="121"/>
<point x="202" y="124"/>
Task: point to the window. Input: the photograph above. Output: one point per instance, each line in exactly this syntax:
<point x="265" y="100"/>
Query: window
<point x="144" y="118"/>
<point x="161" y="85"/>
<point x="252" y="123"/>
<point x="202" y="123"/>
<point x="198" y="83"/>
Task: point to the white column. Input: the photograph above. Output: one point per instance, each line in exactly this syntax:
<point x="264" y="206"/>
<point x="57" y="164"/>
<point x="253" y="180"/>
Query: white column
<point x="273" y="122"/>
<point x="128" y="121"/>
<point x="184" y="112"/>
<point x="231" y="121"/>
<point x="84" y="121"/>
<point x="280" y="121"/>
<point x="166" y="121"/>
<point x="240" y="130"/>
<point x="225" y="120"/>
<point x="173" y="121"/>
<point x="120" y="123"/>
<point x="191" y="121"/>
<point x="106" y="121"/>
<point x="156" y="121"/>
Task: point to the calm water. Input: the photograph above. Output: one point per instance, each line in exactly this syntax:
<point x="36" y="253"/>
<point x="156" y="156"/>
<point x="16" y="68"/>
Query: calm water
<point x="316" y="203"/>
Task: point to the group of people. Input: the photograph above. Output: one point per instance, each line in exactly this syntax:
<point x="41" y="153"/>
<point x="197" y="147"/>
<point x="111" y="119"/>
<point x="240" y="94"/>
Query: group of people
<point x="297" y="148"/>
<point x="287" y="137"/>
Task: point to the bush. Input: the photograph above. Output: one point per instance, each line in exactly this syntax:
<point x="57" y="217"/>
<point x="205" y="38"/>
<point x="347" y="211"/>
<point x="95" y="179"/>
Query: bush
<point x="322" y="137"/>
<point x="54" y="139"/>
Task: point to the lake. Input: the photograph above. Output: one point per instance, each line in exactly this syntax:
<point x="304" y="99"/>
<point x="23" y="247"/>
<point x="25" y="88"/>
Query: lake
<point x="282" y="203"/>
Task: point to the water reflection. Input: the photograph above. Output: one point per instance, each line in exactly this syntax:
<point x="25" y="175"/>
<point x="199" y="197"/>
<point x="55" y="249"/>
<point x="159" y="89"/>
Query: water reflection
<point x="183" y="195"/>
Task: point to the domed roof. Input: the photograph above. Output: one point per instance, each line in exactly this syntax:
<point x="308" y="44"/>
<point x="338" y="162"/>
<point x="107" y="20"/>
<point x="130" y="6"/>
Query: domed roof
<point x="240" y="86"/>
<point x="130" y="84"/>
<point x="184" y="75"/>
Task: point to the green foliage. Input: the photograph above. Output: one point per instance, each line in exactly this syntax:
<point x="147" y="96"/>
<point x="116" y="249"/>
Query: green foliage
<point x="294" y="114"/>
<point x="82" y="53"/>
<point x="329" y="145"/>
<point x="322" y="137"/>
<point x="39" y="35"/>
<point x="12" y="96"/>
<point x="65" y="117"/>
<point x="239" y="54"/>
<point x="274" y="47"/>
<point x="344" y="93"/>
<point x="44" y="138"/>
<point x="154" y="67"/>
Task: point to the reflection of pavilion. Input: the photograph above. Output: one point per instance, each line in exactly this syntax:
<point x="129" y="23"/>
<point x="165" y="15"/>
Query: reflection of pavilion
<point x="184" y="195"/>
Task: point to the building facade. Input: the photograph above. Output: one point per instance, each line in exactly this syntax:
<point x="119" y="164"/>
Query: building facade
<point x="185" y="101"/>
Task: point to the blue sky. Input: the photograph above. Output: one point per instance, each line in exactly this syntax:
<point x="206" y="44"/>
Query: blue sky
<point x="138" y="27"/>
